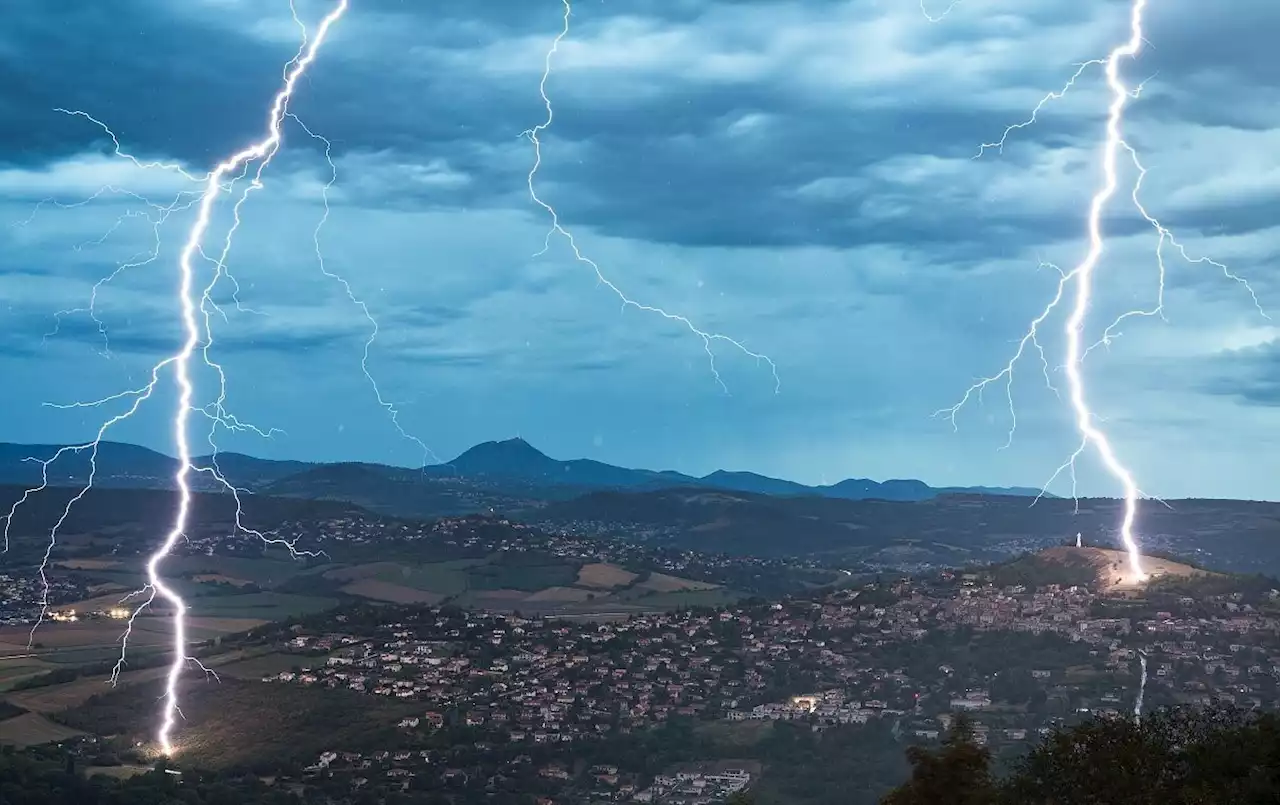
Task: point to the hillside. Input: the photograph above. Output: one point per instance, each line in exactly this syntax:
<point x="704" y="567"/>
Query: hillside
<point x="1111" y="567"/>
<point x="1103" y="570"/>
<point x="956" y="530"/>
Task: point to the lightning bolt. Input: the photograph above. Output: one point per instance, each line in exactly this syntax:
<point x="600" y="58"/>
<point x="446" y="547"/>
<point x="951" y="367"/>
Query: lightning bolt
<point x="392" y="411"/>
<point x="263" y="151"/>
<point x="195" y="312"/>
<point x="940" y="16"/>
<point x="707" y="338"/>
<point x="1142" y="686"/>
<point x="1080" y="279"/>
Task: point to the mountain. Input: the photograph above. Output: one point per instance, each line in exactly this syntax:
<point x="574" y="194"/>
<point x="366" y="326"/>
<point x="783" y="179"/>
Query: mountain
<point x="508" y="475"/>
<point x="517" y="459"/>
<point x="128" y="466"/>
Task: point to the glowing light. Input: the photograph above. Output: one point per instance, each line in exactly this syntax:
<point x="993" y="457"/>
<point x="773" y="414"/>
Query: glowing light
<point x="194" y="311"/>
<point x="262" y="150"/>
<point x="557" y="229"/>
<point x="1080" y="278"/>
<point x="1083" y="274"/>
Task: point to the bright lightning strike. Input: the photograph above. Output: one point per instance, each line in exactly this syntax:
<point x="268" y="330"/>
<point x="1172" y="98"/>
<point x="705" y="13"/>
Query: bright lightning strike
<point x="194" y="309"/>
<point x="263" y="150"/>
<point x="1081" y="279"/>
<point x="557" y="229"/>
<point x="392" y="411"/>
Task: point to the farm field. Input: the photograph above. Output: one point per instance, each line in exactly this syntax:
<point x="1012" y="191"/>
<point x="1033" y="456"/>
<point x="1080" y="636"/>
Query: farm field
<point x="604" y="575"/>
<point x="61" y="697"/>
<point x="30" y="729"/>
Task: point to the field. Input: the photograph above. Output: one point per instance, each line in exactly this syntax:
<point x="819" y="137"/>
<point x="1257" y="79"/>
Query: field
<point x="662" y="583"/>
<point x="386" y="591"/>
<point x="257" y="667"/>
<point x="30" y="729"/>
<point x="67" y="645"/>
<point x="237" y="722"/>
<point x="58" y="698"/>
<point x="230" y="594"/>
<point x="88" y="564"/>
<point x="604" y="575"/>
<point x="440" y="578"/>
<point x="62" y="697"/>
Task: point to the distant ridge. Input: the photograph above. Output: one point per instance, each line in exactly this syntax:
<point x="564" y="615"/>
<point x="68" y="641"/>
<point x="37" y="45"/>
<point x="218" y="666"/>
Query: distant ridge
<point x="512" y="468"/>
<point x="517" y="459"/>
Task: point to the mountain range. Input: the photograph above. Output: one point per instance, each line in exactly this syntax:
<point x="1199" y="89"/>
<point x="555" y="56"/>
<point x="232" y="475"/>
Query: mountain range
<point x="497" y="475"/>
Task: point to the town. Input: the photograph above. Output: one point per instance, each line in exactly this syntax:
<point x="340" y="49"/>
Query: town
<point x="909" y="655"/>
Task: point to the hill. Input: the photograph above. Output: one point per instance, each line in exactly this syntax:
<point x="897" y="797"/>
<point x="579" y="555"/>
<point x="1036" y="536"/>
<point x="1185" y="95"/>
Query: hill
<point x="128" y="466"/>
<point x="1104" y="570"/>
<point x="947" y="530"/>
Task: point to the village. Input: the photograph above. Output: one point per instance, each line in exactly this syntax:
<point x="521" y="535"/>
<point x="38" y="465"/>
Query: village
<point x="1017" y="661"/>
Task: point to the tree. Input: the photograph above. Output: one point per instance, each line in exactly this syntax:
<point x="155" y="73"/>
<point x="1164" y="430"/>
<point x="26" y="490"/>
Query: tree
<point x="1180" y="756"/>
<point x="958" y="773"/>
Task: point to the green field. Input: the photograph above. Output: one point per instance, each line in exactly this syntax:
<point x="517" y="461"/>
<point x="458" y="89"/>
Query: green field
<point x="254" y="669"/>
<point x="265" y="606"/>
<point x="679" y="598"/>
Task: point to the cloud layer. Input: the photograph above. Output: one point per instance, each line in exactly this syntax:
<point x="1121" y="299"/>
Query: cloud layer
<point x="799" y="175"/>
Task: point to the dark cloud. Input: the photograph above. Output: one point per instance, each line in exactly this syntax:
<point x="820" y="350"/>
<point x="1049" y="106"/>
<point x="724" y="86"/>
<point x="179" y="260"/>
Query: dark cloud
<point x="818" y="180"/>
<point x="150" y="334"/>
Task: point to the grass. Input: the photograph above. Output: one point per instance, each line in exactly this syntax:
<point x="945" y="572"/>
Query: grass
<point x="529" y="578"/>
<point x="258" y="667"/>
<point x="16" y="670"/>
<point x="679" y="598"/>
<point x="736" y="733"/>
<point x="67" y="695"/>
<point x="238" y="723"/>
<point x="268" y="571"/>
<point x="266" y="606"/>
<point x="30" y="729"/>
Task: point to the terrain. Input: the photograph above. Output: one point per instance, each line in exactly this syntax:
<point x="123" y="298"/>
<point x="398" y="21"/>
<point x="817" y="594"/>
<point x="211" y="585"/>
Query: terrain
<point x="1104" y="570"/>
<point x="509" y="475"/>
<point x="955" y="530"/>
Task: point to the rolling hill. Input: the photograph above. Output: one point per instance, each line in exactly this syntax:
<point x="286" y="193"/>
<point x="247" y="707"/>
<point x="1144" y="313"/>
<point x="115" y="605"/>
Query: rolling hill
<point x="956" y="529"/>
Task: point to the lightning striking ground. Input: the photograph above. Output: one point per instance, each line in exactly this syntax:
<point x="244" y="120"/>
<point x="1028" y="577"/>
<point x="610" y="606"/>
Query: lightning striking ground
<point x="557" y="229"/>
<point x="194" y="310"/>
<point x="262" y="150"/>
<point x="1081" y="278"/>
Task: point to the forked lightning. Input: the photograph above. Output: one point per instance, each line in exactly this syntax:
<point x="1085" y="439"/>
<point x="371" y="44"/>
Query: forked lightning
<point x="195" y="307"/>
<point x="557" y="229"/>
<point x="1081" y="279"/>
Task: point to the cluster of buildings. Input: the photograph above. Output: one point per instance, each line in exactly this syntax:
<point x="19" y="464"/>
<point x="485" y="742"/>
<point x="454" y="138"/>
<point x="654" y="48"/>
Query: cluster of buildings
<point x="903" y="656"/>
<point x="21" y="594"/>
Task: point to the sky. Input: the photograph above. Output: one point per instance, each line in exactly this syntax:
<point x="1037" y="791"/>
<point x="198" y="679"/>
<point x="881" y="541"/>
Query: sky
<point x="800" y="176"/>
